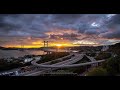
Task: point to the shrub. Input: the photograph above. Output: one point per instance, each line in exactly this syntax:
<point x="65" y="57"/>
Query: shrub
<point x="103" y="55"/>
<point x="53" y="56"/>
<point x="98" y="72"/>
<point x="112" y="65"/>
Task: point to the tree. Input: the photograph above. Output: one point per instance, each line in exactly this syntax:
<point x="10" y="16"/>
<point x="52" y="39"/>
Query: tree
<point x="97" y="72"/>
<point x="112" y="65"/>
<point x="103" y="55"/>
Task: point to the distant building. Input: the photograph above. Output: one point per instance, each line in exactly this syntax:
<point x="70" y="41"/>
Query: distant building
<point x="28" y="60"/>
<point x="9" y="59"/>
<point x="37" y="58"/>
<point x="105" y="48"/>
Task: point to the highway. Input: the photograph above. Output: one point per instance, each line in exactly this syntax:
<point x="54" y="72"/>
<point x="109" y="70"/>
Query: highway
<point x="64" y="64"/>
<point x="92" y="65"/>
<point x="76" y="58"/>
<point x="37" y="69"/>
<point x="68" y="66"/>
<point x="59" y="59"/>
<point x="34" y="68"/>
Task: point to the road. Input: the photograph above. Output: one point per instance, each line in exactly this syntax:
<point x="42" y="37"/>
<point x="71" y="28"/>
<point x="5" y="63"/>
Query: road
<point x="76" y="58"/>
<point x="34" y="68"/>
<point x="59" y="59"/>
<point x="37" y="69"/>
<point x="67" y="62"/>
<point x="63" y="65"/>
<point x="69" y="66"/>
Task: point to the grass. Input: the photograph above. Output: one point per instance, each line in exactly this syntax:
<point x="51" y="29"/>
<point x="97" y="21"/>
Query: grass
<point x="53" y="56"/>
<point x="103" y="55"/>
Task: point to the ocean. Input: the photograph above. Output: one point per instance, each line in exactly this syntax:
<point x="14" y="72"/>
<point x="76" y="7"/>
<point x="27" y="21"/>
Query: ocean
<point x="18" y="53"/>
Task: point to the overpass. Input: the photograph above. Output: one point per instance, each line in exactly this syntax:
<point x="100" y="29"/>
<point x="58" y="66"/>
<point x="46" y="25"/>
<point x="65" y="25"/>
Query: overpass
<point x="74" y="59"/>
<point x="66" y="66"/>
<point x="37" y="69"/>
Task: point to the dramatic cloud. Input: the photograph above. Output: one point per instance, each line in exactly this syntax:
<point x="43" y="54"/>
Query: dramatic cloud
<point x="73" y="28"/>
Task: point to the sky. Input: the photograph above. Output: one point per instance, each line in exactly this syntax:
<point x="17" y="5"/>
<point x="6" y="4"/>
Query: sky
<point x="30" y="30"/>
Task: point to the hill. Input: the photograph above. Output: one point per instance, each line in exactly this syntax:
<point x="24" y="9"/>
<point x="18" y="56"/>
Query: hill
<point x="1" y="47"/>
<point x="115" y="48"/>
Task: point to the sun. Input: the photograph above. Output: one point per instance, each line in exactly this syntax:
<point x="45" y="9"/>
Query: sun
<point x="59" y="45"/>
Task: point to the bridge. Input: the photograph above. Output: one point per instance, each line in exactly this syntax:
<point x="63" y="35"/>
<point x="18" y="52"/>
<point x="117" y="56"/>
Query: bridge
<point x="45" y="49"/>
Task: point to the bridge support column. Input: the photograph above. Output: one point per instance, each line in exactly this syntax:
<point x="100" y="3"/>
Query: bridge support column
<point x="45" y="43"/>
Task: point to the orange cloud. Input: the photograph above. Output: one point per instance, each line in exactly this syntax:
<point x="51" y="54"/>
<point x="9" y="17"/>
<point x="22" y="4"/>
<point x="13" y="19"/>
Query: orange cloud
<point x="36" y="43"/>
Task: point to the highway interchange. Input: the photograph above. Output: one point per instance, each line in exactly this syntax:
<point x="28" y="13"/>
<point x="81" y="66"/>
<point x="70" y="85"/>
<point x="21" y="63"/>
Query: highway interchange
<point x="37" y="69"/>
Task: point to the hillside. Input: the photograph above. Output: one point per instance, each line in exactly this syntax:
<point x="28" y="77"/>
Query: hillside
<point x="115" y="48"/>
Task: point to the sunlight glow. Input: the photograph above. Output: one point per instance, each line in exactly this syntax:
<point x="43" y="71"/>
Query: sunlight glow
<point x="58" y="45"/>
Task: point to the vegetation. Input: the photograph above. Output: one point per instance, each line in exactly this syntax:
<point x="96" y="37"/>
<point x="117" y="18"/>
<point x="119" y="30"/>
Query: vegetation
<point x="4" y="65"/>
<point x="74" y="70"/>
<point x="91" y="54"/>
<point x="112" y="65"/>
<point x="56" y="61"/>
<point x="12" y="62"/>
<point x="103" y="55"/>
<point x="19" y="62"/>
<point x="97" y="72"/>
<point x="115" y="49"/>
<point x="30" y="56"/>
<point x="83" y="60"/>
<point x="53" y="56"/>
<point x="79" y="69"/>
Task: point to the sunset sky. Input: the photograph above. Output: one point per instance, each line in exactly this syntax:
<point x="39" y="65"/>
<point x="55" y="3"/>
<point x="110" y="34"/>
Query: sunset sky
<point x="31" y="30"/>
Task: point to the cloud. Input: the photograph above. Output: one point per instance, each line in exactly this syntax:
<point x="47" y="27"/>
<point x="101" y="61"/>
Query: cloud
<point x="112" y="34"/>
<point x="113" y="28"/>
<point x="70" y="27"/>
